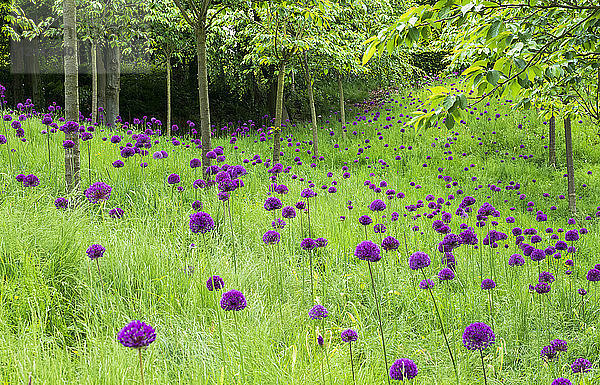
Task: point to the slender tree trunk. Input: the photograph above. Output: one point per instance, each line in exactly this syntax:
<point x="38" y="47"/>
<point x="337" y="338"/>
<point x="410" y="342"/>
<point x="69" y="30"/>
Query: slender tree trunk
<point x="552" y="142"/>
<point x="94" y="55"/>
<point x="71" y="92"/>
<point x="342" y="105"/>
<point x="169" y="95"/>
<point x="203" y="95"/>
<point x="101" y="64"/>
<point x="570" y="168"/>
<point x="113" y="84"/>
<point x="278" y="113"/>
<point x="311" y="101"/>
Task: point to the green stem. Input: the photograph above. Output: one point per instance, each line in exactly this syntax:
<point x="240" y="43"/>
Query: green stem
<point x="380" y="324"/>
<point x="141" y="366"/>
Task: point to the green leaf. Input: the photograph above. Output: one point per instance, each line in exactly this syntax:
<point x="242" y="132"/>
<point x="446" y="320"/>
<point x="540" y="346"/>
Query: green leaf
<point x="449" y="122"/>
<point x="369" y="53"/>
<point x="494" y="29"/>
<point x="492" y="76"/>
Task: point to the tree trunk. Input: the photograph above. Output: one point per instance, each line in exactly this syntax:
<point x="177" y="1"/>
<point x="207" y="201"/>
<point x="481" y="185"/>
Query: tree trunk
<point x="169" y="95"/>
<point x="94" y="69"/>
<point x="113" y="83"/>
<point x="570" y="168"/>
<point x="71" y="92"/>
<point x="101" y="65"/>
<point x="203" y="95"/>
<point x="311" y="101"/>
<point x="278" y="113"/>
<point x="552" y="142"/>
<point x="342" y="105"/>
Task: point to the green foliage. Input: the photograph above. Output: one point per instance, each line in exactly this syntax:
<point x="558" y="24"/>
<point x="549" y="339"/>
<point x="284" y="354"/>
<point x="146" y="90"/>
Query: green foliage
<point x="431" y="62"/>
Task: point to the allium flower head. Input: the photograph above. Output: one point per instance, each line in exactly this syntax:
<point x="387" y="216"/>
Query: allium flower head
<point x="215" y="283"/>
<point x="581" y="365"/>
<point x="561" y="381"/>
<point x="365" y="220"/>
<point x="516" y="260"/>
<point x="308" y="193"/>
<point x="233" y="300"/>
<point x="31" y="181"/>
<point x="546" y="276"/>
<point x="116" y="213"/>
<point x="201" y="222"/>
<point x="377" y="205"/>
<point x="136" y="335"/>
<point x="288" y="212"/>
<point x="446" y="274"/>
<point x="98" y="192"/>
<point x="349" y="335"/>
<point x="321" y="242"/>
<point x="548" y="353"/>
<point x="426" y="284"/>
<point x="272" y="203"/>
<point x="559" y="345"/>
<point x="572" y="235"/>
<point x="308" y="244"/>
<point x="367" y="251"/>
<point x="403" y="369"/>
<point x="317" y="312"/>
<point x="61" y="203"/>
<point x="542" y="288"/>
<point x="271" y="237"/>
<point x="173" y="179"/>
<point x="593" y="275"/>
<point x="478" y="336"/>
<point x="390" y="243"/>
<point x="95" y="251"/>
<point x="419" y="260"/>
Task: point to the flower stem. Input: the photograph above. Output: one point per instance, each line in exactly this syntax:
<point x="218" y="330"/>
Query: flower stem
<point x="239" y="346"/>
<point x="483" y="366"/>
<point x="380" y="324"/>
<point x="352" y="364"/>
<point x="141" y="366"/>
<point x="442" y="327"/>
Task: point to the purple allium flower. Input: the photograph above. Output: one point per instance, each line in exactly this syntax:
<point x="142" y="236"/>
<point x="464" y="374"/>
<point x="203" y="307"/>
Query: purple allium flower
<point x="365" y="220"/>
<point x="542" y="288"/>
<point x="197" y="206"/>
<point x="559" y="345"/>
<point x="446" y="274"/>
<point x="321" y="242"/>
<point x="582" y="291"/>
<point x="426" y="284"/>
<point x="449" y="243"/>
<point x="31" y="181"/>
<point x="561" y="381"/>
<point x="419" y="260"/>
<point x="233" y="300"/>
<point x="288" y="212"/>
<point x="116" y="213"/>
<point x="215" y="283"/>
<point x="478" y="336"/>
<point x="68" y="144"/>
<point x="195" y="163"/>
<point x="136" y="335"/>
<point x="390" y="243"/>
<point x="468" y="237"/>
<point x="548" y="353"/>
<point x="593" y="275"/>
<point x="308" y="193"/>
<point x="278" y="223"/>
<point x="349" y="335"/>
<point x="272" y="203"/>
<point x="546" y="276"/>
<point x="488" y="284"/>
<point x="379" y="228"/>
<point x="377" y="205"/>
<point x="403" y="369"/>
<point x="118" y="163"/>
<point x="173" y="179"/>
<point x="301" y="205"/>
<point x="97" y="192"/>
<point x="367" y="251"/>
<point x="538" y="255"/>
<point x="95" y="251"/>
<point x="200" y="183"/>
<point x="581" y="365"/>
<point x="308" y="244"/>
<point x="317" y="312"/>
<point x="516" y="260"/>
<point x="61" y="203"/>
<point x="201" y="222"/>
<point x="561" y="245"/>
<point x="320" y="340"/>
<point x="572" y="235"/>
<point x="271" y="237"/>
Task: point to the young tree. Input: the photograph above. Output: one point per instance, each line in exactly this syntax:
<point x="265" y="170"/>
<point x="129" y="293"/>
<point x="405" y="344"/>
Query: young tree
<point x="533" y="52"/>
<point x="71" y="92"/>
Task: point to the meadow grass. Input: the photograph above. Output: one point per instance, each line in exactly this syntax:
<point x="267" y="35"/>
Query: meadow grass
<point x="59" y="317"/>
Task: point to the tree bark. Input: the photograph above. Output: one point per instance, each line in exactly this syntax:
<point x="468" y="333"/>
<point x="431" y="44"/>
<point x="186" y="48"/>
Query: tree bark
<point x="113" y="83"/>
<point x="100" y="63"/>
<point x="311" y="101"/>
<point x="203" y="94"/>
<point x="342" y="105"/>
<point x="94" y="55"/>
<point x="570" y="168"/>
<point x="552" y="141"/>
<point x="278" y="113"/>
<point x="71" y="92"/>
<point x="169" y="95"/>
